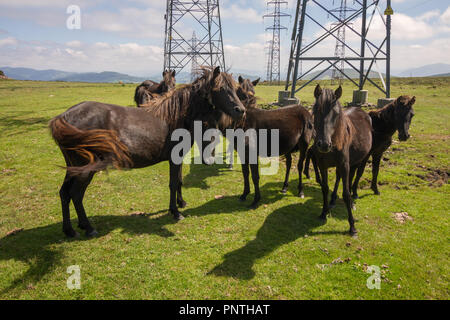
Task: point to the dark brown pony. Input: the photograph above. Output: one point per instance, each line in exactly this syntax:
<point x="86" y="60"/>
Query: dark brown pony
<point x="396" y="116"/>
<point x="93" y="136"/>
<point x="295" y="130"/>
<point x="149" y="89"/>
<point x="343" y="140"/>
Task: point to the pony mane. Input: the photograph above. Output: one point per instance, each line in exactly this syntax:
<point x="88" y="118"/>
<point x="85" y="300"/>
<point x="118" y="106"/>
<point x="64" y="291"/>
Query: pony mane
<point x="387" y="112"/>
<point x="344" y="128"/>
<point x="173" y="105"/>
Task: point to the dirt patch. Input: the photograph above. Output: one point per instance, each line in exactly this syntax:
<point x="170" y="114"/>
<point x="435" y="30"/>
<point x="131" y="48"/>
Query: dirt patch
<point x="8" y="172"/>
<point x="434" y="177"/>
<point x="402" y="217"/>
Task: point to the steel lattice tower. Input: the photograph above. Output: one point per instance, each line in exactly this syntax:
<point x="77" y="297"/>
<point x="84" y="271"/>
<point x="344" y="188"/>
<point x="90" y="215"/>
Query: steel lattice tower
<point x="273" y="63"/>
<point x="195" y="68"/>
<point x="361" y="60"/>
<point x="339" y="51"/>
<point x="203" y="16"/>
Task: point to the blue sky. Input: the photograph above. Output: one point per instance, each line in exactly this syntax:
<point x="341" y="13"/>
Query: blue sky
<point x="127" y="36"/>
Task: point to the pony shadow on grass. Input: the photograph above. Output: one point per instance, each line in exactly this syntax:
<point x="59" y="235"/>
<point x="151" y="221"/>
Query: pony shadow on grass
<point x="282" y="226"/>
<point x="38" y="247"/>
<point x="197" y="175"/>
<point x="13" y="126"/>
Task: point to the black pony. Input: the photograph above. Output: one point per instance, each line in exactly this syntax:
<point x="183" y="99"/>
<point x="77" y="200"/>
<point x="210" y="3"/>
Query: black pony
<point x="149" y="89"/>
<point x="94" y="135"/>
<point x="396" y="116"/>
<point x="343" y="140"/>
<point x="294" y="124"/>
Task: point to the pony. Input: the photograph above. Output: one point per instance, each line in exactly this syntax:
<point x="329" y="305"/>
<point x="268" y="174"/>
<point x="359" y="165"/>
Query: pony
<point x="149" y="89"/>
<point x="343" y="140"/>
<point x="93" y="136"/>
<point x="395" y="116"/>
<point x="294" y="124"/>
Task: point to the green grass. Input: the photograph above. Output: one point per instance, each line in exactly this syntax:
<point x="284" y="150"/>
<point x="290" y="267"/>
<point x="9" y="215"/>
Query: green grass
<point x="222" y="249"/>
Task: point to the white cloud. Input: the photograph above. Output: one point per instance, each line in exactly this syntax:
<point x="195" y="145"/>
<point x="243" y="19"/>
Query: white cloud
<point x="240" y="14"/>
<point x="130" y="58"/>
<point x="445" y="18"/>
<point x="10" y="41"/>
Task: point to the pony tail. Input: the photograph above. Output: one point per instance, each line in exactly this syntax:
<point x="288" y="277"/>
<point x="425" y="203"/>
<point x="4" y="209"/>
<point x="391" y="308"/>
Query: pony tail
<point x="100" y="148"/>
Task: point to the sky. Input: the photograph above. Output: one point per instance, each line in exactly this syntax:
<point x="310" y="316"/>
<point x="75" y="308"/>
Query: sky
<point x="128" y="36"/>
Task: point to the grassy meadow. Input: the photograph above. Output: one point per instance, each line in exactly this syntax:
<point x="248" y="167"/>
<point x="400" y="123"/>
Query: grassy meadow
<point x="222" y="250"/>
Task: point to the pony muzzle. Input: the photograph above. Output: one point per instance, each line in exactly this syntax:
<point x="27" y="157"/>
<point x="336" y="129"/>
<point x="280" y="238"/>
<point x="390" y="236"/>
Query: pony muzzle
<point x="323" y="146"/>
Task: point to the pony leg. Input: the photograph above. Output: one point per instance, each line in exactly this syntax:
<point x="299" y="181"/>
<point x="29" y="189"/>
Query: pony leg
<point x="345" y="171"/>
<point x="316" y="168"/>
<point x="308" y="159"/>
<point x="245" y="173"/>
<point x="376" y="158"/>
<point x="301" y="160"/>
<point x="335" y="190"/>
<point x="350" y="179"/>
<point x="255" y="177"/>
<point x="288" y="169"/>
<point x="180" y="202"/>
<point x="65" y="202"/>
<point x="173" y="186"/>
<point x="359" y="174"/>
<point x="77" y="192"/>
<point x="325" y="189"/>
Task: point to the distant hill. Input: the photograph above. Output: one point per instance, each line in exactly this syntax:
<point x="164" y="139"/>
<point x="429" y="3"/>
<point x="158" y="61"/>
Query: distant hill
<point x="106" y="77"/>
<point x="349" y="72"/>
<point x="32" y="74"/>
<point x="426" y="71"/>
<point x="442" y="75"/>
<point x="58" y="75"/>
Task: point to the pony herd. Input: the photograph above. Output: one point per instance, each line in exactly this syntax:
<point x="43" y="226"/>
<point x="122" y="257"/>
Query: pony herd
<point x="93" y="136"/>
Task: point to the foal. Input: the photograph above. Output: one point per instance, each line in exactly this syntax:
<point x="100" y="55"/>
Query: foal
<point x="93" y="136"/>
<point x="294" y="124"/>
<point x="396" y="116"/>
<point x="343" y="140"/>
<point x="148" y="89"/>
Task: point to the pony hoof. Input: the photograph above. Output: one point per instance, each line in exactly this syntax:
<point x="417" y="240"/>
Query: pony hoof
<point x="301" y="195"/>
<point x="323" y="217"/>
<point x="353" y="207"/>
<point x="284" y="191"/>
<point x="377" y="192"/>
<point x="242" y="198"/>
<point x="253" y="206"/>
<point x="182" y="204"/>
<point x="71" y="233"/>
<point x="355" y="196"/>
<point x="91" y="234"/>
<point x="353" y="233"/>
<point x="178" y="217"/>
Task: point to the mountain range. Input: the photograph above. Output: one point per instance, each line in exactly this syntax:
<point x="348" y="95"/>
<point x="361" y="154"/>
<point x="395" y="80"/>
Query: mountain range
<point x="441" y="70"/>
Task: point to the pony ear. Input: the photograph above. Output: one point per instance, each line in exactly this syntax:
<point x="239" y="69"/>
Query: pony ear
<point x="338" y="93"/>
<point x="412" y="101"/>
<point x="256" y="82"/>
<point x="173" y="73"/>
<point x="317" y="91"/>
<point x="216" y="72"/>
<point x="164" y="72"/>
<point x="241" y="80"/>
